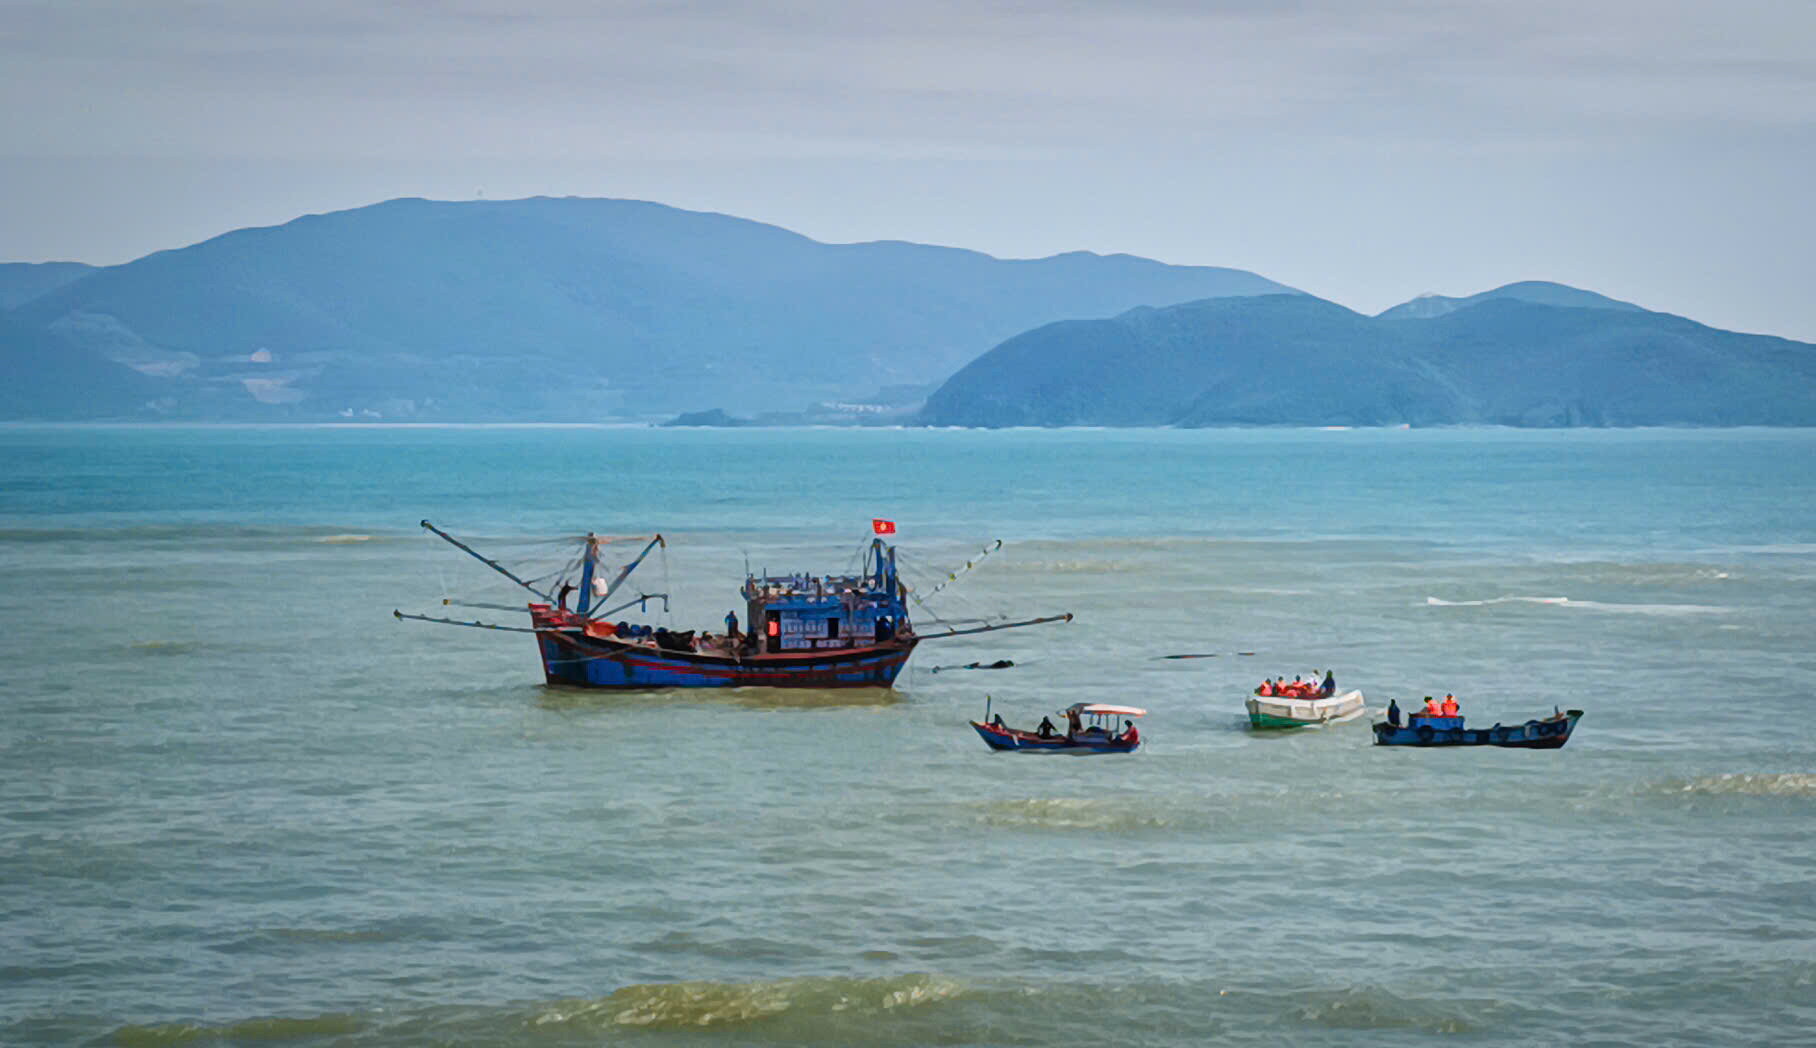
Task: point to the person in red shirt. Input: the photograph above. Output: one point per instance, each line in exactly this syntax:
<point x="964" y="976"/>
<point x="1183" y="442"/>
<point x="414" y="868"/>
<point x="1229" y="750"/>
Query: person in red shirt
<point x="1130" y="735"/>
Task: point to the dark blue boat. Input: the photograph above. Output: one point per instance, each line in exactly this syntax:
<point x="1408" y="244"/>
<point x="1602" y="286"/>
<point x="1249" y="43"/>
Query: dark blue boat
<point x="1549" y="733"/>
<point x="804" y="631"/>
<point x="1098" y="736"/>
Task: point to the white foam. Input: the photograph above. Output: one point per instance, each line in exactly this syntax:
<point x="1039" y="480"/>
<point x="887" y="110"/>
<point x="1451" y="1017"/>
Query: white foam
<point x="1437" y="603"/>
<point x="1591" y="605"/>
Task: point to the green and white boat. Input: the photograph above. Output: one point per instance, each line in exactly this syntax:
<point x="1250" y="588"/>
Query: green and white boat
<point x="1281" y="711"/>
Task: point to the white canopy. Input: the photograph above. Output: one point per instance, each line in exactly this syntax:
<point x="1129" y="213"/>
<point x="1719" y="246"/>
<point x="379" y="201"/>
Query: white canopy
<point x="1106" y="710"/>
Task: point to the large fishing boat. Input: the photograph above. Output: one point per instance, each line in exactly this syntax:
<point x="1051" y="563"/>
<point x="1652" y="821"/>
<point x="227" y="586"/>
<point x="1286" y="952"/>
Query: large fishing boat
<point x="803" y="631"/>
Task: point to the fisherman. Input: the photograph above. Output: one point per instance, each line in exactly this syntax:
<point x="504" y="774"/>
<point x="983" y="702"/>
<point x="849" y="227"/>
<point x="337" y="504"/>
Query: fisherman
<point x="566" y="588"/>
<point x="997" y="721"/>
<point x="1072" y="725"/>
<point x="1330" y="684"/>
<point x="1431" y="707"/>
<point x="1129" y="734"/>
<point x="1449" y="709"/>
<point x="731" y="625"/>
<point x="1046" y="728"/>
<point x="1393" y="714"/>
<point x="1267" y="688"/>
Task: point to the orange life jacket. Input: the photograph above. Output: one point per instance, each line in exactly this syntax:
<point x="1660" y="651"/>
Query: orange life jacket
<point x="1450" y="707"/>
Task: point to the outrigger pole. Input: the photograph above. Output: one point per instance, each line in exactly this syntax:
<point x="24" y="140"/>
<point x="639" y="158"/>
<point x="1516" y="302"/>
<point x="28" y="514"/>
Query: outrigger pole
<point x="471" y="625"/>
<point x="1067" y="617"/>
<point x="488" y="562"/>
<point x="640" y="599"/>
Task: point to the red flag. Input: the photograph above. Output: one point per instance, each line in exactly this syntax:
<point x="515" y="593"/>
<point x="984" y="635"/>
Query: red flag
<point x="882" y="527"/>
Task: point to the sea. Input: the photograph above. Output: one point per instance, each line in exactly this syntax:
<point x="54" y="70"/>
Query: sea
<point x="242" y="803"/>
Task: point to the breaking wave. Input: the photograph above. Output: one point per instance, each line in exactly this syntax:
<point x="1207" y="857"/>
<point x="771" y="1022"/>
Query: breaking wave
<point x="804" y="1007"/>
<point x="696" y="1005"/>
<point x="1439" y="603"/>
<point x="274" y="1030"/>
<point x="1372" y="1008"/>
<point x="164" y="647"/>
<point x="1591" y="605"/>
<point x="1064" y="567"/>
<point x="1747" y="784"/>
<point x="1071" y="813"/>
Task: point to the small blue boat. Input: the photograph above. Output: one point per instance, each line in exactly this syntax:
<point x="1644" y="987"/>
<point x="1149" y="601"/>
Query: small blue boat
<point x="1549" y="733"/>
<point x="1098" y="736"/>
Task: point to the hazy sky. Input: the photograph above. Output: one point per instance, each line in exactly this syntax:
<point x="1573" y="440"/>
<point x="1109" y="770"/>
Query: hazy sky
<point x="1658" y="151"/>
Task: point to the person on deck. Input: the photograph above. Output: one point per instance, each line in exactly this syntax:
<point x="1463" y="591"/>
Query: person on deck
<point x="731" y="626"/>
<point x="1449" y="709"/>
<point x="1431" y="707"/>
<point x="1129" y="734"/>
<point x="1267" y="688"/>
<point x="1330" y="684"/>
<point x="1393" y="714"/>
<point x="561" y="601"/>
<point x="1072" y="725"/>
<point x="1046" y="728"/>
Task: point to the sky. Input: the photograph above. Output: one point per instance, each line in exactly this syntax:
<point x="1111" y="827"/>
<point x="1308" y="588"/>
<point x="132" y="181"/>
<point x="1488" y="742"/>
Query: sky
<point x="1658" y="151"/>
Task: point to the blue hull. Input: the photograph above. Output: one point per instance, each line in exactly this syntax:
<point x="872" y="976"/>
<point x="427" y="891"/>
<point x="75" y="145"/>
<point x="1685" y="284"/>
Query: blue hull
<point x="1028" y="742"/>
<point x="572" y="658"/>
<point x="1548" y="734"/>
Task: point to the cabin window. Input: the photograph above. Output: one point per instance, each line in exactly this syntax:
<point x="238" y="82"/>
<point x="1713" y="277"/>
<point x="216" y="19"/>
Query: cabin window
<point x="832" y="628"/>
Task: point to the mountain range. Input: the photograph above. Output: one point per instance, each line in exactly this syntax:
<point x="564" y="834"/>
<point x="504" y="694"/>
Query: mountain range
<point x="1530" y="354"/>
<point x="594" y="310"/>
<point x="548" y="309"/>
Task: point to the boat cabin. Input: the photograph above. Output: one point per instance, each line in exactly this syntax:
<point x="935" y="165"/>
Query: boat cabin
<point x="802" y="612"/>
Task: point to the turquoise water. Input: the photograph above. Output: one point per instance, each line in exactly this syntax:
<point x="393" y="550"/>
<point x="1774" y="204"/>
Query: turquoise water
<point x="242" y="804"/>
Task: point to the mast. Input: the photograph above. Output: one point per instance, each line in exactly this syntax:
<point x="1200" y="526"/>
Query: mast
<point x="623" y="573"/>
<point x="588" y="559"/>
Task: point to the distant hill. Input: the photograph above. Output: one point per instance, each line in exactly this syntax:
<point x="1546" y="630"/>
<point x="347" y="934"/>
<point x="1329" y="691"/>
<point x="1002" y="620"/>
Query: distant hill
<point x="45" y="378"/>
<point x="1299" y="360"/>
<point x="711" y="417"/>
<point x="20" y="282"/>
<point x="567" y="309"/>
<point x="1539" y="292"/>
